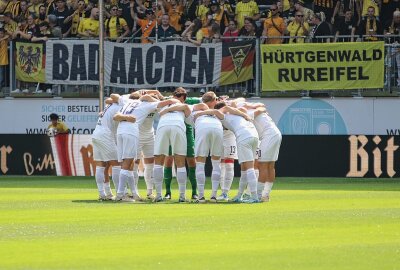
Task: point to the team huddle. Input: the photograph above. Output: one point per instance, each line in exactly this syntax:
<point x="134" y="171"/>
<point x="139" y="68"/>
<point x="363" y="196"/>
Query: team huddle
<point x="224" y="129"/>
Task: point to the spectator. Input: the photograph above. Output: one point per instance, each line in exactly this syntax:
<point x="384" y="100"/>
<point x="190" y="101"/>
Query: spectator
<point x="50" y="6"/>
<point x="190" y="9"/>
<point x="321" y="28"/>
<point x="5" y="6"/>
<point x="165" y="31"/>
<point x="249" y="29"/>
<point x="298" y="27"/>
<point x="325" y="6"/>
<point x="20" y="9"/>
<point x="218" y="15"/>
<point x="274" y="27"/>
<point x="366" y="4"/>
<point x="42" y="15"/>
<point x="10" y="26"/>
<point x="346" y="27"/>
<point x="124" y="5"/>
<point x="370" y="26"/>
<point x="202" y="10"/>
<point x="387" y="9"/>
<point x="227" y="7"/>
<point x="116" y="28"/>
<point x="26" y="33"/>
<point x="62" y="12"/>
<point x="244" y="9"/>
<point x="76" y="17"/>
<point x="59" y="126"/>
<point x="34" y="7"/>
<point x="340" y="9"/>
<point x="175" y="12"/>
<point x="231" y="32"/>
<point x="3" y="55"/>
<point x="307" y="13"/>
<point x="394" y="31"/>
<point x="54" y="29"/>
<point x="89" y="28"/>
<point x="146" y="24"/>
<point x="289" y="14"/>
<point x="44" y="33"/>
<point x="194" y="33"/>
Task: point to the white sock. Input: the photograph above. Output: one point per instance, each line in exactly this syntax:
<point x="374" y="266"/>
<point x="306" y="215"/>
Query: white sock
<point x="200" y="177"/>
<point x="100" y="180"/>
<point x="136" y="177"/>
<point x="257" y="173"/>
<point x="267" y="188"/>
<point x="131" y="183"/>
<point x="242" y="182"/>
<point x="124" y="176"/>
<point x="222" y="178"/>
<point x="181" y="177"/>
<point x="158" y="173"/>
<point x="215" y="176"/>
<point x="148" y="177"/>
<point x="260" y="188"/>
<point x="252" y="182"/>
<point x="115" y="176"/>
<point x="107" y="188"/>
<point x="229" y="174"/>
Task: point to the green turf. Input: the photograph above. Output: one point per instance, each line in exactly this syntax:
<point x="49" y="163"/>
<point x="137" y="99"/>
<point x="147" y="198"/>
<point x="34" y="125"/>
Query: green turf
<point x="55" y="223"/>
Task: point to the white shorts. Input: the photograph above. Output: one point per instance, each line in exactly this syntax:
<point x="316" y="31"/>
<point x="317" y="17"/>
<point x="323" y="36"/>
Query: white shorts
<point x="269" y="148"/>
<point x="146" y="147"/>
<point x="230" y="148"/>
<point x="208" y="141"/>
<point x="104" y="150"/>
<point x="170" y="135"/>
<point x="127" y="146"/>
<point x="247" y="149"/>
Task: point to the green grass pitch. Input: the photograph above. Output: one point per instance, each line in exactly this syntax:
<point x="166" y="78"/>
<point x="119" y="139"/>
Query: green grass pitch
<point x="56" y="223"/>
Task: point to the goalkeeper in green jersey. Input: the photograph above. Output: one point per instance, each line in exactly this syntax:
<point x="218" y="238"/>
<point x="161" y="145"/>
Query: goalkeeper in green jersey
<point x="190" y="150"/>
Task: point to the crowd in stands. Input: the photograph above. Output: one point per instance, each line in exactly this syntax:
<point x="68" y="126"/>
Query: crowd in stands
<point x="199" y="21"/>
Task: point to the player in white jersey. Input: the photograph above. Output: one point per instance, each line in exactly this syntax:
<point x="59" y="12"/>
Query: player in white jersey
<point x="247" y="143"/>
<point x="105" y="149"/>
<point x="208" y="141"/>
<point x="270" y="142"/>
<point x="171" y="131"/>
<point x="131" y="116"/>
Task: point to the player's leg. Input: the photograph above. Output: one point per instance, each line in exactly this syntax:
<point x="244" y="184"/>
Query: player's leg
<point x="216" y="149"/>
<point x="201" y="177"/>
<point x="191" y="162"/>
<point x="107" y="187"/>
<point x="99" y="176"/>
<point x="169" y="160"/>
<point x="179" y="147"/>
<point x="148" y="176"/>
<point x="161" y="150"/>
<point x="115" y="170"/>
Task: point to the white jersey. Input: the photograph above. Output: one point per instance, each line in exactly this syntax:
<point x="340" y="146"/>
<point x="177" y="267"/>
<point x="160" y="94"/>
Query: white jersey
<point x="264" y="124"/>
<point x="242" y="128"/>
<point x="146" y="128"/>
<point x="207" y="121"/>
<point x="174" y="118"/>
<point x="139" y="110"/>
<point x="106" y="127"/>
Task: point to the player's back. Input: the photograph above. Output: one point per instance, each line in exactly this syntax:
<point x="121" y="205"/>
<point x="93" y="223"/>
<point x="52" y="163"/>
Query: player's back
<point x="173" y="118"/>
<point x="264" y="124"/>
<point x="242" y="128"/>
<point x="207" y="121"/>
<point x="105" y="123"/>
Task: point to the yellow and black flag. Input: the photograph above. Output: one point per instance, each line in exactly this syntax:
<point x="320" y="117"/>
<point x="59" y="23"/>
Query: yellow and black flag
<point x="237" y="62"/>
<point x="30" y="62"/>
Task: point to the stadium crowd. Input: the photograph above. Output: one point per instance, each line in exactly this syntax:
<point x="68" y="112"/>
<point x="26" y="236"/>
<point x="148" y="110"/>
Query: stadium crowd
<point x="147" y="21"/>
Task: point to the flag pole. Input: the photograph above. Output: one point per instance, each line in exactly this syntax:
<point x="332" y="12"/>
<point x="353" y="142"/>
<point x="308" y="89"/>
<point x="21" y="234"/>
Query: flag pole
<point x="101" y="55"/>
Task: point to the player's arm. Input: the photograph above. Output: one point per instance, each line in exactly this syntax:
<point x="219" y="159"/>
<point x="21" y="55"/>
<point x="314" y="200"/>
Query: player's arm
<point x="254" y="105"/>
<point x="115" y="98"/>
<point x="148" y="98"/>
<point x="235" y="111"/>
<point x="178" y="108"/>
<point x="122" y="117"/>
<point x="109" y="101"/>
<point x="200" y="107"/>
<point x="259" y="110"/>
<point x="167" y="102"/>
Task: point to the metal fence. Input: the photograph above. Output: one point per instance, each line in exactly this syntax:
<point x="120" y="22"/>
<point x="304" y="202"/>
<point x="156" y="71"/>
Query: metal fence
<point x="15" y="88"/>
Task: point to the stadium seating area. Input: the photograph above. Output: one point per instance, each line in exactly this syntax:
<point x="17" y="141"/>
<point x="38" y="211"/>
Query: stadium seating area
<point x="203" y="21"/>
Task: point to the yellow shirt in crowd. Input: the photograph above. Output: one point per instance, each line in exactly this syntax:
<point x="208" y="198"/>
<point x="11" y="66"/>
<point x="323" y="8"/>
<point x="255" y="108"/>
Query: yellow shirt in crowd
<point x="111" y="27"/>
<point x="89" y="24"/>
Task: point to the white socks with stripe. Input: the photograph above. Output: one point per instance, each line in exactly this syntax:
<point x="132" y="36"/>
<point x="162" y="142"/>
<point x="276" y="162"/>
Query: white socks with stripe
<point x="158" y="174"/>
<point x="215" y="176"/>
<point x="148" y="177"/>
<point x="100" y="180"/>
<point x="115" y="176"/>
<point x="181" y="177"/>
<point x="229" y="174"/>
<point x="200" y="177"/>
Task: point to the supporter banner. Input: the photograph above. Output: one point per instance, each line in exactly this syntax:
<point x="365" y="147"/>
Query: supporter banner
<point x="30" y="62"/>
<point x="237" y="62"/>
<point x="321" y="156"/>
<point x="135" y="65"/>
<point x="322" y="66"/>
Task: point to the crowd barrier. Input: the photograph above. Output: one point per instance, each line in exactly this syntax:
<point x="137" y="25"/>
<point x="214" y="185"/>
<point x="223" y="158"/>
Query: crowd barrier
<point x="250" y="87"/>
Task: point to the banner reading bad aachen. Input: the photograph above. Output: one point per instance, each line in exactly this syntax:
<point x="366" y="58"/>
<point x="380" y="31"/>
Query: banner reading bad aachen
<point x="322" y="66"/>
<point x="134" y="65"/>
